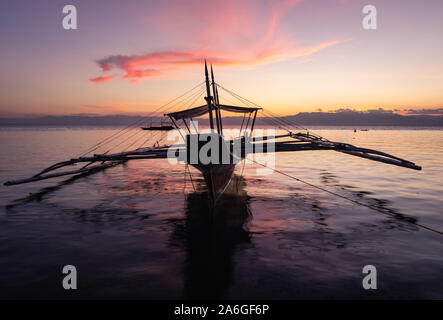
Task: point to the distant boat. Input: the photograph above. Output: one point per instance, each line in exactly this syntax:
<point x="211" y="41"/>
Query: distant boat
<point x="161" y="127"/>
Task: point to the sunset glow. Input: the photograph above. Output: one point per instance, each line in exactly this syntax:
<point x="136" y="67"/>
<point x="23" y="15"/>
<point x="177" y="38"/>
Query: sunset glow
<point x="288" y="55"/>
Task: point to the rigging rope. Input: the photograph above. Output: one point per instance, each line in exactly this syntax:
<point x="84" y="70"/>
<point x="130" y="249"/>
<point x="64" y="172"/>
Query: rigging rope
<point x="112" y="148"/>
<point x="250" y="103"/>
<point x="195" y="96"/>
<point x="281" y="122"/>
<point x="137" y="122"/>
<point x="152" y="135"/>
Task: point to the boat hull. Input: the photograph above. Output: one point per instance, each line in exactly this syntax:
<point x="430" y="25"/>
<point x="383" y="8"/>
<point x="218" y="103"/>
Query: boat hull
<point x="217" y="178"/>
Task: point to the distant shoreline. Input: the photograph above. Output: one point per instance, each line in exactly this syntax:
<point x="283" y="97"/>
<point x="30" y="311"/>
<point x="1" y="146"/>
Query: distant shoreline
<point x="358" y="129"/>
<point x="348" y="119"/>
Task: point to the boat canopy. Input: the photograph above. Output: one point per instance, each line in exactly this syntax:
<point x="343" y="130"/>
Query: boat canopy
<point x="199" y="111"/>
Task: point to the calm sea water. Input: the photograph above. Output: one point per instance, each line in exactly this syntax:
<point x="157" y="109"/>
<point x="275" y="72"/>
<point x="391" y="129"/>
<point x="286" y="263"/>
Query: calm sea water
<point x="138" y="231"/>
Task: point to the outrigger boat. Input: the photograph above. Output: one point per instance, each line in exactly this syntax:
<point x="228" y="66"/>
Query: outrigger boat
<point x="217" y="172"/>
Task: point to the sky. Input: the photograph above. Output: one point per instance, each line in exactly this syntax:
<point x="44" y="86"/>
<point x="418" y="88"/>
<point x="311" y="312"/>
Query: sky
<point x="289" y="56"/>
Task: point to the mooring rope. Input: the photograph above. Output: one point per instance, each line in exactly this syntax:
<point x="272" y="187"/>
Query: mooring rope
<point x="190" y="176"/>
<point x="352" y="200"/>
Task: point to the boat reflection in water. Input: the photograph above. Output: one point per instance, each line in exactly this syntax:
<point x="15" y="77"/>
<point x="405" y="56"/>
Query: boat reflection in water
<point x="211" y="240"/>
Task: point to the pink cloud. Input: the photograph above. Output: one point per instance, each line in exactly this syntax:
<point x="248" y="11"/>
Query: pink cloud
<point x="226" y="33"/>
<point x="101" y="79"/>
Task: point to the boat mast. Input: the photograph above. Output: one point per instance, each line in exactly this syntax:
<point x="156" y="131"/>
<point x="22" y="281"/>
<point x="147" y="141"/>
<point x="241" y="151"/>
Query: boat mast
<point x="217" y="110"/>
<point x="208" y="98"/>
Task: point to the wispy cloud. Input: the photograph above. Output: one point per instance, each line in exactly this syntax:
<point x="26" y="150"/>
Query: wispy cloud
<point x="400" y="111"/>
<point x="105" y="109"/>
<point x="227" y="33"/>
<point x="367" y="111"/>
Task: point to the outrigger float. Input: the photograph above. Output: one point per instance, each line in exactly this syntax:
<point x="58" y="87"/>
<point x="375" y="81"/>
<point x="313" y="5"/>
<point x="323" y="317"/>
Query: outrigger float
<point x="217" y="174"/>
